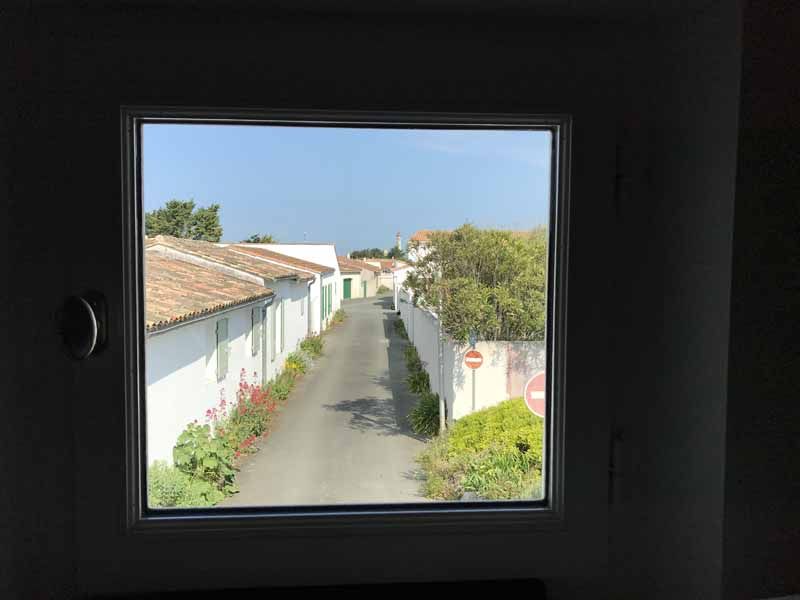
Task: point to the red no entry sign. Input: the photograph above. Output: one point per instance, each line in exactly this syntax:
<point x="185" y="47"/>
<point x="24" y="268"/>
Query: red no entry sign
<point x="534" y="394"/>
<point x="473" y="359"/>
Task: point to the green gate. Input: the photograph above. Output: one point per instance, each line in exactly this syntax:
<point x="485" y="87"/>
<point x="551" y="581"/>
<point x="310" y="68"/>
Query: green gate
<point x="347" y="283"/>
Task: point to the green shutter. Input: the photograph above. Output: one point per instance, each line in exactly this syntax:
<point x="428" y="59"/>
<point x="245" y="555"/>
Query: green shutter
<point x="330" y="299"/>
<point x="222" y="348"/>
<point x="255" y="324"/>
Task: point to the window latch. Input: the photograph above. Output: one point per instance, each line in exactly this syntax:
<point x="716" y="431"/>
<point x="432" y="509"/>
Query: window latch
<point x="82" y="324"/>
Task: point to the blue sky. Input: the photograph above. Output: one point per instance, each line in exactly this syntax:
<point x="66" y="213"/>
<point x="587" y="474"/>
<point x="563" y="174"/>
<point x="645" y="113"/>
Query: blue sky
<point x="353" y="187"/>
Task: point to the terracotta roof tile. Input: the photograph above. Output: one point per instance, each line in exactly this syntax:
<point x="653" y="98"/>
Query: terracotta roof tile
<point x="177" y="291"/>
<point x="351" y="265"/>
<point x="283" y="258"/>
<point x="226" y="256"/>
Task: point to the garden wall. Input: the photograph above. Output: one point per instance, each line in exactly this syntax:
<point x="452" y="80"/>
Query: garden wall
<point x="506" y="367"/>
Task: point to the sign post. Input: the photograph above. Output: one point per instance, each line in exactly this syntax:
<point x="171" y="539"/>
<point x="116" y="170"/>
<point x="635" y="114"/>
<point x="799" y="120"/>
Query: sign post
<point x="473" y="359"/>
<point x="473" y="339"/>
<point x="535" y="398"/>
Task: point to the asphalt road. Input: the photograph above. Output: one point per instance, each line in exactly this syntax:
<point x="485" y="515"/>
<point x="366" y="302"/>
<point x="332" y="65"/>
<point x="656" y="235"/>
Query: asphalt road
<point x="342" y="437"/>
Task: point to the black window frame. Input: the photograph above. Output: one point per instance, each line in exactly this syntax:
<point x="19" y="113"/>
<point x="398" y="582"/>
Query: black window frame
<point x="483" y="516"/>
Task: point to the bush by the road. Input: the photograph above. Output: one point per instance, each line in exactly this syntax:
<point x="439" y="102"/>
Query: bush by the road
<point x="400" y="329"/>
<point x="495" y="452"/>
<point x="313" y="345"/>
<point x="339" y="316"/>
<point x="169" y="487"/>
<point x="383" y="290"/>
<point x="424" y="418"/>
<point x="205" y="455"/>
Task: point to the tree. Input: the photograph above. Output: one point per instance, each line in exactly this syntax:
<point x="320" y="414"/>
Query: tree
<point x="489" y="281"/>
<point x="257" y="238"/>
<point x="179" y="218"/>
<point x="397" y="253"/>
<point x="368" y="253"/>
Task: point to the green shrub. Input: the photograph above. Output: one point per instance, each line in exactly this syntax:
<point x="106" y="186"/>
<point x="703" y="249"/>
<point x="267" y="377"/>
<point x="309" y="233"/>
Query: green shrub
<point x="296" y="363"/>
<point x="169" y="487"/>
<point x="313" y="345"/>
<point x="413" y="362"/>
<point x="383" y="289"/>
<point x="202" y="456"/>
<point x="400" y="329"/>
<point x="339" y="316"/>
<point x="495" y="452"/>
<point x="424" y="418"/>
<point x="280" y="388"/>
<point x="419" y="382"/>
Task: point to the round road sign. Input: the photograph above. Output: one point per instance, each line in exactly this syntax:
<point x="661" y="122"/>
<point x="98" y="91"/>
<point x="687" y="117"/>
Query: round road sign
<point x="535" y="396"/>
<point x="473" y="359"/>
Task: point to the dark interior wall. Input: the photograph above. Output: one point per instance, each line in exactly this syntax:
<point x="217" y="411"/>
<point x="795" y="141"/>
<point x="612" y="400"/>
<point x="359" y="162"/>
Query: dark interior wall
<point x="677" y="149"/>
<point x="762" y="487"/>
<point x="671" y="95"/>
<point x="80" y="69"/>
<point x="36" y="437"/>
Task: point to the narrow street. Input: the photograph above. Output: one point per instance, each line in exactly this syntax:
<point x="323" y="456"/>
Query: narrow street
<point x="342" y="436"/>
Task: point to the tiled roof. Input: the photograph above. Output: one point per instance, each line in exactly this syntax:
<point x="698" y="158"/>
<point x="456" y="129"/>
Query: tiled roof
<point x="351" y="265"/>
<point x="282" y="258"/>
<point x="388" y="263"/>
<point x="226" y="256"/>
<point x="177" y="291"/>
<point x="423" y="235"/>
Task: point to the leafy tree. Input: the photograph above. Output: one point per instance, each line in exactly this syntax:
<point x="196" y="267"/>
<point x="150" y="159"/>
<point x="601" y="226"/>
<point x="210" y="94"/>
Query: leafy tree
<point x="489" y="281"/>
<point x="368" y="253"/>
<point x="179" y="218"/>
<point x="257" y="238"/>
<point x="397" y="253"/>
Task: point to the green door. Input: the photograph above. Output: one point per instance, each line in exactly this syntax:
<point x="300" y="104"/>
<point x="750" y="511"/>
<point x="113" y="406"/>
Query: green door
<point x="363" y="289"/>
<point x="347" y="283"/>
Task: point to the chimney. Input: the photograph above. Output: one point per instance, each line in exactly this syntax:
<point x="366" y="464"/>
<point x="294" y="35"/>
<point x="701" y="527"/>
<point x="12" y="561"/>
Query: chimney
<point x="399" y="245"/>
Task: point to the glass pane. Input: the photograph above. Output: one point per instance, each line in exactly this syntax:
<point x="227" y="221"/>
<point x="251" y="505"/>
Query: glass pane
<point x="417" y="374"/>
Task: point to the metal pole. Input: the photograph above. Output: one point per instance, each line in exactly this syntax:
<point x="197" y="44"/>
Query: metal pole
<point x="473" y="389"/>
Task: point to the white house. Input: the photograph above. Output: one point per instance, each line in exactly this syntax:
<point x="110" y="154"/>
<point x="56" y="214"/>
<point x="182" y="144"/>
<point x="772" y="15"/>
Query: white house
<point x="203" y="328"/>
<point x="289" y="312"/>
<point x="321" y="292"/>
<point x="387" y="267"/>
<point x="321" y="254"/>
<point x="418" y="244"/>
<point x="359" y="279"/>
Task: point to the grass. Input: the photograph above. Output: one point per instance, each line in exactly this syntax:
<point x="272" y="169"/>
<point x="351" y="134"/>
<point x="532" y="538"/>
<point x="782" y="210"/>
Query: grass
<point x="495" y="452"/>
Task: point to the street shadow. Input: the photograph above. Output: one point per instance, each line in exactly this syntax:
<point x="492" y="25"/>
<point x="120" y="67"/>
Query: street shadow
<point x="388" y="415"/>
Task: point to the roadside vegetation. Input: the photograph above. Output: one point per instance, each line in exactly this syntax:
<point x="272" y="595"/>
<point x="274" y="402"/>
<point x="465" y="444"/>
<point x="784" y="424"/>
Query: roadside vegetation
<point x="206" y="455"/>
<point x="382" y="289"/>
<point x="496" y="453"/>
<point x="339" y="316"/>
<point x="424" y="418"/>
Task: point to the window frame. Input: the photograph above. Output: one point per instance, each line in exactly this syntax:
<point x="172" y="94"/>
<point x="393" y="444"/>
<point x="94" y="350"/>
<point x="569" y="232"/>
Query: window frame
<point x="452" y="517"/>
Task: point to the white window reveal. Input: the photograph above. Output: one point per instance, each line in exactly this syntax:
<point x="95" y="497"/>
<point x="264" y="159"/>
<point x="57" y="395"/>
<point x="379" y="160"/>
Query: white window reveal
<point x="222" y="349"/>
<point x="255" y="335"/>
<point x="274" y="332"/>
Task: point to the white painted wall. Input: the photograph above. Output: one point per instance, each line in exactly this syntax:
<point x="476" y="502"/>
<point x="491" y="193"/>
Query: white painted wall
<point x="291" y="298"/>
<point x="355" y="285"/>
<point x="506" y="367"/>
<point x="322" y="254"/>
<point x="181" y="378"/>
